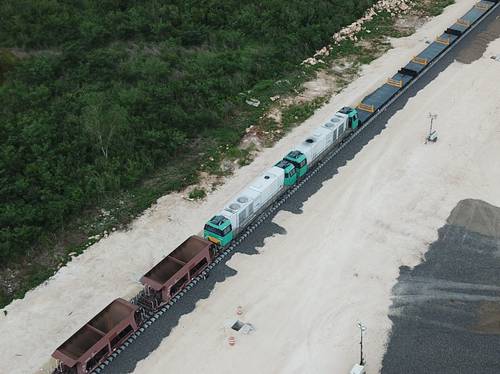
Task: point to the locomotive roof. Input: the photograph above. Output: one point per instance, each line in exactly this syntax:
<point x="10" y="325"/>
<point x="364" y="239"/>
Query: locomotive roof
<point x="346" y="110"/>
<point x="295" y="154"/>
<point x="284" y="164"/>
<point x="218" y="220"/>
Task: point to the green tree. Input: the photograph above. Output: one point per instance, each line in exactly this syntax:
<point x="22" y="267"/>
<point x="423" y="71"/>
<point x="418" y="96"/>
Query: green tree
<point x="105" y="122"/>
<point x="108" y="91"/>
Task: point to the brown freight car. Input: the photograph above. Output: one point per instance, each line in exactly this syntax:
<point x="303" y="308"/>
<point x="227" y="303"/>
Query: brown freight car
<point x="176" y="270"/>
<point x="95" y="341"/>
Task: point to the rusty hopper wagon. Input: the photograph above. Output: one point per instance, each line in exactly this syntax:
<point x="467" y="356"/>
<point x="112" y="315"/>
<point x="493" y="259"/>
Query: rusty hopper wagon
<point x="171" y="274"/>
<point x="96" y="340"/>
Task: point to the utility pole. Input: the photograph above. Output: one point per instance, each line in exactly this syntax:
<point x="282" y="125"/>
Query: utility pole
<point x="360" y="368"/>
<point x="362" y="329"/>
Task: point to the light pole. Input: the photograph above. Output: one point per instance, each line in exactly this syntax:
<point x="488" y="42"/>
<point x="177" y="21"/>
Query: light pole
<point x="362" y="329"/>
<point x="432" y="117"/>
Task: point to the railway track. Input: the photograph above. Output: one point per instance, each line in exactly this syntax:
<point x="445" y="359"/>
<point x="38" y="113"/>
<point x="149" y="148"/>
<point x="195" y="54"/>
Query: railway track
<point x="150" y="317"/>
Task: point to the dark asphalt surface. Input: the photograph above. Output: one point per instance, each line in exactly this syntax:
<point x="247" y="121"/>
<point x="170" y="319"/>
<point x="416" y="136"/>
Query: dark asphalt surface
<point x="153" y="336"/>
<point x="446" y="311"/>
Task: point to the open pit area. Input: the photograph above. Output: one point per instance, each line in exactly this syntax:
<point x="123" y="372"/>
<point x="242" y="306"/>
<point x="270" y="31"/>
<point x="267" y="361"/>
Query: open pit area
<point x="340" y="251"/>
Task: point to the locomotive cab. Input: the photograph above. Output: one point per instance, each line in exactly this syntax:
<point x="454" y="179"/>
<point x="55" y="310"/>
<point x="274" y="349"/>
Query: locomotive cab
<point x="218" y="230"/>
<point x="352" y="117"/>
<point x="290" y="172"/>
<point x="298" y="159"/>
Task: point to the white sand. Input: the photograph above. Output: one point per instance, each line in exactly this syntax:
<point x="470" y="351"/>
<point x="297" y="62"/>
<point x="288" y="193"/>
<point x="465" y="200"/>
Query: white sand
<point x="369" y="219"/>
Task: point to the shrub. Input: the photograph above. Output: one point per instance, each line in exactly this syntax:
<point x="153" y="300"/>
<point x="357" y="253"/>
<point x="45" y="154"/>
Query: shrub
<point x="197" y="193"/>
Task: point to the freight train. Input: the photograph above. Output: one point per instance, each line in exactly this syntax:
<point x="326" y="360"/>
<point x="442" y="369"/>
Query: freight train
<point x="94" y="345"/>
<point x="249" y="203"/>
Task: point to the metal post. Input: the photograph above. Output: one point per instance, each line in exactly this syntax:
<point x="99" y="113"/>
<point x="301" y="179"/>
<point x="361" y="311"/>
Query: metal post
<point x="361" y="360"/>
<point x="432" y="118"/>
<point x="362" y="329"/>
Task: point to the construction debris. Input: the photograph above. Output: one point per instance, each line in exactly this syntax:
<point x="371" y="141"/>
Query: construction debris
<point x="239" y="326"/>
<point x="253" y="102"/>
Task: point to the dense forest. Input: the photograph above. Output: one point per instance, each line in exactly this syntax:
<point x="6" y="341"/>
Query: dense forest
<point x="95" y="95"/>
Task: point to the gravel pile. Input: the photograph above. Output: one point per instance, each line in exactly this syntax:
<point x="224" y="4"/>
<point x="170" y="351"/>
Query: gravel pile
<point x="446" y="310"/>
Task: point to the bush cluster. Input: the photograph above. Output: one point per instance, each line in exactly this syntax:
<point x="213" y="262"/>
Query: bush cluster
<point x="106" y="91"/>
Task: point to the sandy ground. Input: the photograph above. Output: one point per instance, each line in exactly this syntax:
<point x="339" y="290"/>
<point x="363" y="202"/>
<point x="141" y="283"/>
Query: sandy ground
<point x="339" y="259"/>
<point x="368" y="234"/>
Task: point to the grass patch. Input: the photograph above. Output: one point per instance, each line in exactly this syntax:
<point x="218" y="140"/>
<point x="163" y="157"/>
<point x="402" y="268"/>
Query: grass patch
<point x="36" y="275"/>
<point x="4" y="298"/>
<point x="197" y="193"/>
<point x="433" y="7"/>
<point x="7" y="62"/>
<point x="243" y="156"/>
<point x="296" y="114"/>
